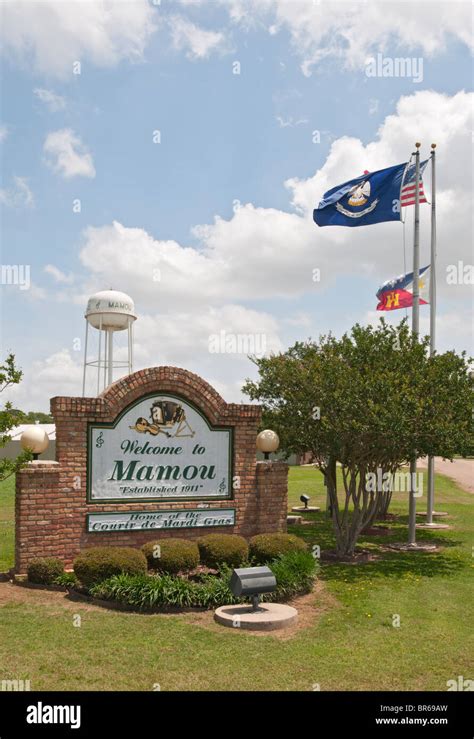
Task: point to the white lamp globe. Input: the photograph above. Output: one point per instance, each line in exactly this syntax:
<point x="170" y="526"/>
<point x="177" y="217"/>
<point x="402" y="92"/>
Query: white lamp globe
<point x="35" y="440"/>
<point x="267" y="441"/>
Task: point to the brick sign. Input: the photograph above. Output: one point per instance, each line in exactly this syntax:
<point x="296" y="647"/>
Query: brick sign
<point x="158" y="454"/>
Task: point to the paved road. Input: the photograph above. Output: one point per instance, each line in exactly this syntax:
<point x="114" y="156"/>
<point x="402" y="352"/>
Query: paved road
<point x="460" y="470"/>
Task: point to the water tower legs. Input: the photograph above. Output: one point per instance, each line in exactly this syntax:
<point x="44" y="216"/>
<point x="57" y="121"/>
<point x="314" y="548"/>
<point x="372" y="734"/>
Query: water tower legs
<point x="110" y="358"/>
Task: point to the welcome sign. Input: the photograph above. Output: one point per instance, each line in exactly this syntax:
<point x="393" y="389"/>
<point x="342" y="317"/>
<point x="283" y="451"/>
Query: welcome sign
<point x="160" y="448"/>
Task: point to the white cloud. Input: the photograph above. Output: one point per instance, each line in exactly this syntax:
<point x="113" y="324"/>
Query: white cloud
<point x="196" y="41"/>
<point x="350" y="31"/>
<point x="373" y="106"/>
<point x="35" y="292"/>
<point x="300" y="319"/>
<point x="229" y="266"/>
<point x="59" y="276"/>
<point x="290" y="122"/>
<point x="58" y="374"/>
<point x="18" y="195"/>
<point x="67" y="156"/>
<point x="53" y="102"/>
<point x="51" y="35"/>
<point x="236" y="256"/>
<point x="189" y="339"/>
<point x="3" y="132"/>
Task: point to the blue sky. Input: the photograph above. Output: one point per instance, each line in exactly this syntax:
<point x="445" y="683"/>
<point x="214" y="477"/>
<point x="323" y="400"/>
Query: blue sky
<point x="225" y="137"/>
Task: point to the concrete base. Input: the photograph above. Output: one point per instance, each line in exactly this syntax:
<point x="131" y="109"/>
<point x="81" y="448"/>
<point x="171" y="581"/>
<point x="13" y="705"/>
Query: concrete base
<point x="294" y="520"/>
<point x="270" y="616"/>
<point x="432" y="526"/>
<point x="302" y="509"/>
<point x="436" y="514"/>
<point x="404" y="547"/>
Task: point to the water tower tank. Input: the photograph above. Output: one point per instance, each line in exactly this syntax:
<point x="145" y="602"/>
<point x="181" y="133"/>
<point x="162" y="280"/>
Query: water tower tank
<point x="110" y="310"/>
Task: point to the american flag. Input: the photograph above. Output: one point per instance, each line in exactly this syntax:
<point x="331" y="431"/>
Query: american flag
<point x="407" y="195"/>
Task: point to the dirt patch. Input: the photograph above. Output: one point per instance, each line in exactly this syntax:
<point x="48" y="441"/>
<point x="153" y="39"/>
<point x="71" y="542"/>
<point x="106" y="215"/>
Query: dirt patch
<point x="10" y="593"/>
<point x="310" y="608"/>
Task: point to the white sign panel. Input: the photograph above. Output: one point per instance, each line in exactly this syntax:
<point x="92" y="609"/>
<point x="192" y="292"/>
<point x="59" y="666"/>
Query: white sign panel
<point x="161" y="448"/>
<point x="147" y="520"/>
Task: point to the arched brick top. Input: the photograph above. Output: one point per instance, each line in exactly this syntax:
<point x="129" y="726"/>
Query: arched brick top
<point x="125" y="391"/>
<point x="164" y="380"/>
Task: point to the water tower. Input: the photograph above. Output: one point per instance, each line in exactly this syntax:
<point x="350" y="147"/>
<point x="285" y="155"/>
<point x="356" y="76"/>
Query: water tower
<point x="109" y="311"/>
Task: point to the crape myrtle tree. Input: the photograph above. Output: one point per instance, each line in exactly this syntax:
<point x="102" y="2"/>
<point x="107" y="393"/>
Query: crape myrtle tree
<point x="368" y="402"/>
<point x="10" y="375"/>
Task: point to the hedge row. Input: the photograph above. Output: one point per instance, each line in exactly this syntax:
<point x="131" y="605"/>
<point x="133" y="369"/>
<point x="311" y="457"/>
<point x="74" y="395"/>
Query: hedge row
<point x="166" y="556"/>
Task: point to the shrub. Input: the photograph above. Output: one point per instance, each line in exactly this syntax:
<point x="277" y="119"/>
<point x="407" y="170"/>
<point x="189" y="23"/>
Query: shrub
<point x="99" y="563"/>
<point x="294" y="574"/>
<point x="214" y="591"/>
<point x="265" y="547"/>
<point x="175" y="555"/>
<point x="217" y="549"/>
<point x="66" y="579"/>
<point x="146" y="592"/>
<point x="44" y="570"/>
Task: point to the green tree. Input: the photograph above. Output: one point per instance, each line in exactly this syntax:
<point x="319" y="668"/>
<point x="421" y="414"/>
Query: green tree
<point x="32" y="416"/>
<point x="10" y="375"/>
<point x="367" y="402"/>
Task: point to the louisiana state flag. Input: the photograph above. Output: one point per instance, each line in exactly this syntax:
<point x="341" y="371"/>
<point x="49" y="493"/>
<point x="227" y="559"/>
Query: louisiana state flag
<point x="398" y="293"/>
<point x="373" y="197"/>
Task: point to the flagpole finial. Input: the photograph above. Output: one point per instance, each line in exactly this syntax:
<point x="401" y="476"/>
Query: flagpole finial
<point x="417" y="144"/>
<point x="433" y="146"/>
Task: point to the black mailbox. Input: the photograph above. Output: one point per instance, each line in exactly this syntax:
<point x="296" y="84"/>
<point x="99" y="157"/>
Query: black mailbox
<point x="251" y="582"/>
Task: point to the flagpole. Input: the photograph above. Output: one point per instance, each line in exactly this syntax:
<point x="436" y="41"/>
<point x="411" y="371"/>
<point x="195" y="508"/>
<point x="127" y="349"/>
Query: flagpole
<point x="415" y="326"/>
<point x="431" y="471"/>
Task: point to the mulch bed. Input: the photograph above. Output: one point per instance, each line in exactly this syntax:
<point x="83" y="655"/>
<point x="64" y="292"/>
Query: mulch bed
<point x="360" y="557"/>
<point x="389" y="517"/>
<point x="76" y="595"/>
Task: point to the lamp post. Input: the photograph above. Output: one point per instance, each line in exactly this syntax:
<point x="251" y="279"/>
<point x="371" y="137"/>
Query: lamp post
<point x="267" y="442"/>
<point x="35" y="440"/>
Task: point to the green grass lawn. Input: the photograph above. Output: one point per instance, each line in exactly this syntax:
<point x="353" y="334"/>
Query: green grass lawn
<point x="348" y="641"/>
<point x="7" y="523"/>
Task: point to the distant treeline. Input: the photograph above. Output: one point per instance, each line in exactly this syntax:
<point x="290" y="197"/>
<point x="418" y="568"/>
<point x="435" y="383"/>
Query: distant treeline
<point x="31" y="416"/>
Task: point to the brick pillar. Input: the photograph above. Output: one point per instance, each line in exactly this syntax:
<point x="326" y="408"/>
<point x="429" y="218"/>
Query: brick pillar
<point x="272" y="496"/>
<point x="39" y="516"/>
